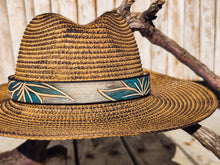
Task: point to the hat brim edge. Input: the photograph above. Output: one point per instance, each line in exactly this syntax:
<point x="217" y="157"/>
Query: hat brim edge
<point x="4" y="97"/>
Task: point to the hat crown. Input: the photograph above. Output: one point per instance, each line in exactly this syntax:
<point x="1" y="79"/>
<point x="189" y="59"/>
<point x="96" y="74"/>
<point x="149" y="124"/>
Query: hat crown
<point x="54" y="48"/>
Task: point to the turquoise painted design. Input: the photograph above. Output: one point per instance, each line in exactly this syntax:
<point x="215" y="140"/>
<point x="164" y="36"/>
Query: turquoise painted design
<point x="78" y="92"/>
<point x="32" y="92"/>
<point x="132" y="88"/>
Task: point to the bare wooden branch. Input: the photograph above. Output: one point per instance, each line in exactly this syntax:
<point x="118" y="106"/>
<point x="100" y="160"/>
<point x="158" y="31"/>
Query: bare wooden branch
<point x="125" y="6"/>
<point x="206" y="137"/>
<point x="158" y="38"/>
<point x="143" y="23"/>
<point x="150" y="13"/>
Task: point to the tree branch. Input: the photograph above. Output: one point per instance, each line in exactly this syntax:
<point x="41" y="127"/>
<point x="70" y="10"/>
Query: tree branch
<point x="206" y="137"/>
<point x="150" y="13"/>
<point x="143" y="22"/>
<point x="158" y="38"/>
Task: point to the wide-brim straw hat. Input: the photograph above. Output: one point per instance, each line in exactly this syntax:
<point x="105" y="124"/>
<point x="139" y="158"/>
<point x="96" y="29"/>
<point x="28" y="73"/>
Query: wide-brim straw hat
<point x="86" y="81"/>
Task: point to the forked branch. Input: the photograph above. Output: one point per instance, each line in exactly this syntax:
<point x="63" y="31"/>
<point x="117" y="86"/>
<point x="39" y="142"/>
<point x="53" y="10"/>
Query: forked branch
<point x="143" y="22"/>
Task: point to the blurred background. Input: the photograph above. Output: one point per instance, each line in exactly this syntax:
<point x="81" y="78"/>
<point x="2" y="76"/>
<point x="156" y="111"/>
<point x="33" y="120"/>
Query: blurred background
<point x="195" y="25"/>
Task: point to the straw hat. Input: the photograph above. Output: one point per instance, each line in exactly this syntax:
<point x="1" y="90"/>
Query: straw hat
<point x="85" y="81"/>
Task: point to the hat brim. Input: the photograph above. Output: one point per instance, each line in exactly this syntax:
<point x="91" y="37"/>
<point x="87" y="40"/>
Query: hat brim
<point x="172" y="104"/>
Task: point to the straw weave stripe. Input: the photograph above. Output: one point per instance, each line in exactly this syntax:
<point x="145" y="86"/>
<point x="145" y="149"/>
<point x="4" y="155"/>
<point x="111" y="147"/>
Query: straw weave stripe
<point x="62" y="65"/>
<point x="95" y="53"/>
<point x="85" y="61"/>
<point x="69" y="40"/>
<point x="78" y="33"/>
<point x="63" y="25"/>
<point x="81" y="69"/>
<point x="83" y="49"/>
<point x="102" y="39"/>
<point x="77" y="75"/>
<point x="47" y="19"/>
<point x="78" y="43"/>
<point x="88" y="68"/>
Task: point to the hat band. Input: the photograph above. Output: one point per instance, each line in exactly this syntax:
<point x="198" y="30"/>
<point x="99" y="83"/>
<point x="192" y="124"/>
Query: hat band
<point x="78" y="92"/>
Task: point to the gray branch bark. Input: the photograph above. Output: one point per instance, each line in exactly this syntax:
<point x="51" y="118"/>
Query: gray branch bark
<point x="143" y="22"/>
<point x="206" y="137"/>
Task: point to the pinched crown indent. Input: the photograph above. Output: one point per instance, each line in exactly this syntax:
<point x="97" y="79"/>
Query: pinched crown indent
<point x="54" y="48"/>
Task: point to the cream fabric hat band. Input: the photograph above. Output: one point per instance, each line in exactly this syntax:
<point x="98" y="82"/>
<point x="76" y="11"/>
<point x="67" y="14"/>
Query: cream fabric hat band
<point x="78" y="92"/>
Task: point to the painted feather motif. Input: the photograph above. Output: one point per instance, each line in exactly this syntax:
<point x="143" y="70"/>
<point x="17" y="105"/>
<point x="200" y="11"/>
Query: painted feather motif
<point x="32" y="92"/>
<point x="132" y="88"/>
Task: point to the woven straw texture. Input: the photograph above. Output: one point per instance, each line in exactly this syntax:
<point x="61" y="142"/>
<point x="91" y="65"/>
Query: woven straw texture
<point x="54" y="48"/>
<point x="173" y="104"/>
